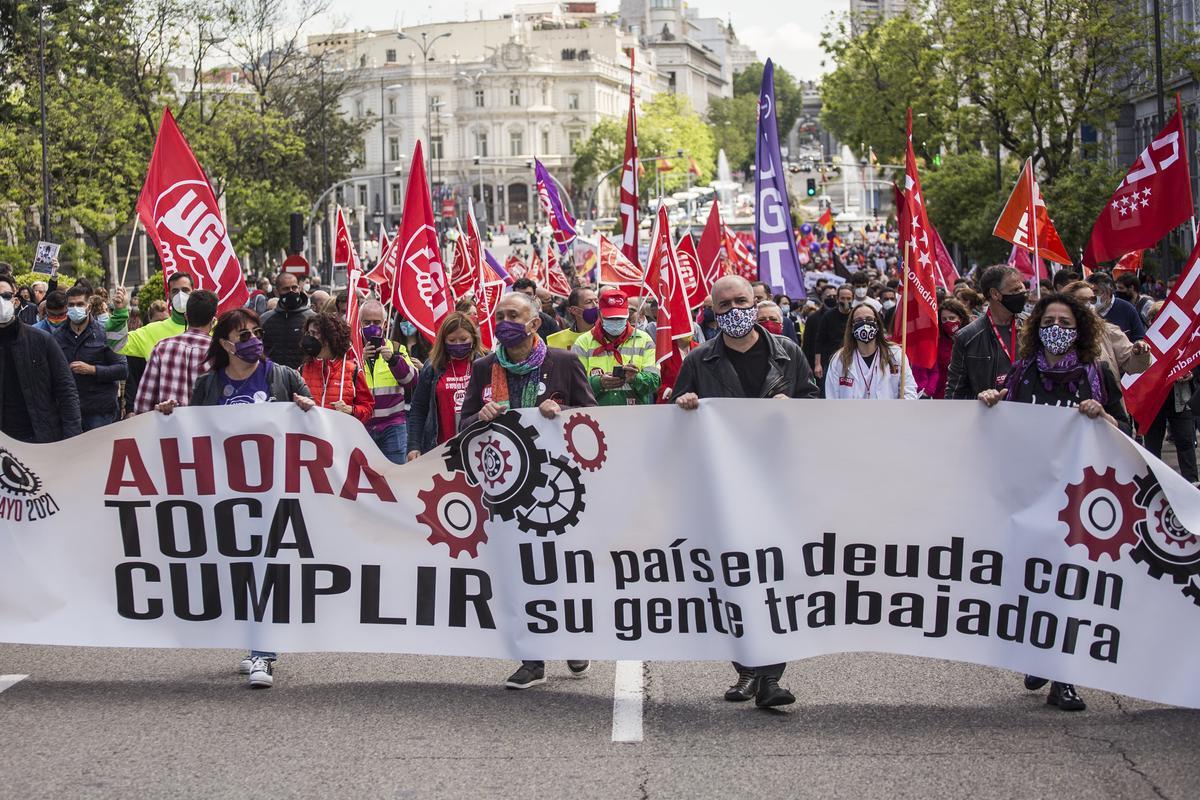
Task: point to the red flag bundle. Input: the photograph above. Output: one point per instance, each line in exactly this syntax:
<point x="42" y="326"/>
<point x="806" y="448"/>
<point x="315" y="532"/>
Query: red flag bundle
<point x="917" y="324"/>
<point x="344" y="255"/>
<point x="465" y="272"/>
<point x="1129" y="263"/>
<point x="383" y="272"/>
<point x="179" y="210"/>
<point x="741" y="260"/>
<point x="556" y="279"/>
<point x="689" y="271"/>
<point x="630" y="171"/>
<point x="617" y="270"/>
<point x="711" y="249"/>
<point x="664" y="282"/>
<point x="1154" y="197"/>
<point x="420" y="292"/>
<point x="1026" y="204"/>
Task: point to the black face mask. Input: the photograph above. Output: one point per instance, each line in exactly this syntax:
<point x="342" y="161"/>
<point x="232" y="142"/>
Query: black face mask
<point x="311" y="345"/>
<point x="1125" y="296"/>
<point x="830" y="302"/>
<point x="1015" y="302"/>
<point x="292" y="301"/>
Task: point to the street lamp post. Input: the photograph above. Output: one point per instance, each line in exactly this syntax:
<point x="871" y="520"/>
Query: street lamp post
<point x="312" y="212"/>
<point x="425" y="46"/>
<point x="42" y="103"/>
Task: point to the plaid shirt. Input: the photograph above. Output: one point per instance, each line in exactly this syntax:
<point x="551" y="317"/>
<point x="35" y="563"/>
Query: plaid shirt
<point x="174" y="365"/>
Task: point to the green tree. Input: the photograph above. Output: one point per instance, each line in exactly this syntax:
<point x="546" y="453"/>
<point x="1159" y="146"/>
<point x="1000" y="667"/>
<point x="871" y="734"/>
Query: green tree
<point x="964" y="205"/>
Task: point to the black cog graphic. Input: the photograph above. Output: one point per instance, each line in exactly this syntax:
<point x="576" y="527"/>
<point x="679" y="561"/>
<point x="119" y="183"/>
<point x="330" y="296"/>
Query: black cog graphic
<point x="1192" y="591"/>
<point x="556" y="506"/>
<point x="15" y="477"/>
<point x="518" y="442"/>
<point x="1166" y="547"/>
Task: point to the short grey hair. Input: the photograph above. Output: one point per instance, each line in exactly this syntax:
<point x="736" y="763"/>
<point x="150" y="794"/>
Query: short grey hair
<point x="531" y="303"/>
<point x="370" y="305"/>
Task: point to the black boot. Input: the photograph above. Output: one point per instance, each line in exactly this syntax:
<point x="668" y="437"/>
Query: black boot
<point x="771" y="694"/>
<point x="744" y="689"/>
<point x="1065" y="697"/>
<point x="1033" y="682"/>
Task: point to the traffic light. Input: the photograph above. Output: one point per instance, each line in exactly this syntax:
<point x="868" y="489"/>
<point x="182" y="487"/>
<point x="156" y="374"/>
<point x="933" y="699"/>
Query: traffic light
<point x="812" y="187"/>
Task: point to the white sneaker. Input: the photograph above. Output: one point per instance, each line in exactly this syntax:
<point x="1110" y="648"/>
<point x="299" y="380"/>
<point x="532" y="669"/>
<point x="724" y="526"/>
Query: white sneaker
<point x="245" y="665"/>
<point x="262" y="674"/>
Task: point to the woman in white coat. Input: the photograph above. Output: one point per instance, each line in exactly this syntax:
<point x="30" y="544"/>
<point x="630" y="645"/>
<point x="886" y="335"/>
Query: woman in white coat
<point x="868" y="367"/>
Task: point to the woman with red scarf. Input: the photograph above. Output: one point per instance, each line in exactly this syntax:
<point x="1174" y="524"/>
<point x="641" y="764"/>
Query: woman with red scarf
<point x="618" y="358"/>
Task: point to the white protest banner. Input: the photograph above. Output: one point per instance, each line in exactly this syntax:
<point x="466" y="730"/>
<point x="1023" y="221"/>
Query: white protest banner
<point x="45" y="253"/>
<point x="812" y="276"/>
<point x="1024" y="537"/>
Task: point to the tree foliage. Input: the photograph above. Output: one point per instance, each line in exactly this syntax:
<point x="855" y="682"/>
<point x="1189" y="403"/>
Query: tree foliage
<point x="734" y="119"/>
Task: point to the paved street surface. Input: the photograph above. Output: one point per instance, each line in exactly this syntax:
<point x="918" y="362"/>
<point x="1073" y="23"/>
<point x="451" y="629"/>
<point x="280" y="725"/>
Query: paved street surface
<point x="128" y="723"/>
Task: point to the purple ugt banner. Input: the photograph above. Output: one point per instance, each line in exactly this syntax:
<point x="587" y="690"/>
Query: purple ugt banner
<point x="560" y="221"/>
<point x="775" y="241"/>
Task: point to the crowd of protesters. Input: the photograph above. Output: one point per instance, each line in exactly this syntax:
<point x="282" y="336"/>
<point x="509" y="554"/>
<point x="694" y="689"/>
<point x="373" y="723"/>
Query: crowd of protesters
<point x="76" y="360"/>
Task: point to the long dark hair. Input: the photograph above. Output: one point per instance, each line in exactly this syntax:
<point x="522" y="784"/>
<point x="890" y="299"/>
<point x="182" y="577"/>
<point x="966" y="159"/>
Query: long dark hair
<point x="850" y="344"/>
<point x="1087" y="345"/>
<point x="227" y="323"/>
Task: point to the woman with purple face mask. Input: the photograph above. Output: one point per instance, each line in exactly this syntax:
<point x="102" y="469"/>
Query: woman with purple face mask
<point x="391" y="375"/>
<point x="442" y="385"/>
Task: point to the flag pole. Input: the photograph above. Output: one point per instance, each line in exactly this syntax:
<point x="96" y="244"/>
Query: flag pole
<point x="137" y="223"/>
<point x="904" y="327"/>
<point x="1037" y="258"/>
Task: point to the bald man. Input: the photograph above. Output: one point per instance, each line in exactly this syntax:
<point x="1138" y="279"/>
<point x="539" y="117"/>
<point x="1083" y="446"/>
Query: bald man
<point x="745" y="360"/>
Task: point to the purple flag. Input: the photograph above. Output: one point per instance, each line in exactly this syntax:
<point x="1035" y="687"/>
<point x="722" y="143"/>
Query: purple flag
<point x="775" y="241"/>
<point x="494" y="264"/>
<point x="560" y="221"/>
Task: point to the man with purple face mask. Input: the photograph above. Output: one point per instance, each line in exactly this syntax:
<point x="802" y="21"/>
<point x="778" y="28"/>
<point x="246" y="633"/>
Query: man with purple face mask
<point x="583" y="309"/>
<point x="390" y="374"/>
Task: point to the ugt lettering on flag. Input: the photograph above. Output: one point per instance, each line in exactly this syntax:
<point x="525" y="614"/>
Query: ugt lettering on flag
<point x="775" y="241"/>
<point x="179" y="210"/>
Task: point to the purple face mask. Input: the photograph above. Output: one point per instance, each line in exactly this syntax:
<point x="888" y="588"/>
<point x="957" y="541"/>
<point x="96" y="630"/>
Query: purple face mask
<point x="510" y="333"/>
<point x="372" y="331"/>
<point x="590" y="315"/>
<point x="459" y="350"/>
<point x="250" y="350"/>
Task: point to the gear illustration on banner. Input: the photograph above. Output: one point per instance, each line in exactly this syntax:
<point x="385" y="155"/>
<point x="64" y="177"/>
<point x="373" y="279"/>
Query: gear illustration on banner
<point x="455" y="513"/>
<point x="503" y="457"/>
<point x="1166" y="547"/>
<point x="598" y="443"/>
<point x="556" y="506"/>
<point x="491" y="462"/>
<point x="1192" y="591"/>
<point x="15" y="477"/>
<point x="1100" y="514"/>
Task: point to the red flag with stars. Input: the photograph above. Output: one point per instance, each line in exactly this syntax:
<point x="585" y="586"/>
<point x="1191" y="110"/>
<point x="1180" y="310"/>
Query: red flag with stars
<point x="1154" y="197"/>
<point x="917" y="324"/>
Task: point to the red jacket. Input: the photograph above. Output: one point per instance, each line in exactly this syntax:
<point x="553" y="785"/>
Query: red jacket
<point x="339" y="379"/>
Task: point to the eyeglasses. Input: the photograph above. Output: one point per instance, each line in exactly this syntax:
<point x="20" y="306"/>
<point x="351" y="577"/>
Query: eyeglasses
<point x="244" y="335"/>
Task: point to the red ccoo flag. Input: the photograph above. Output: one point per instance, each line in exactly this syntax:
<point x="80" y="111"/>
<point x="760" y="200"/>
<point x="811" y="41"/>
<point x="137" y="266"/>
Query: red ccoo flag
<point x="344" y="255"/>
<point x="1154" y="197"/>
<point x="711" y="249"/>
<point x="1023" y="204"/>
<point x="689" y="271"/>
<point x="665" y="283"/>
<point x="629" y="180"/>
<point x="420" y="292"/>
<point x="616" y="269"/>
<point x="180" y="213"/>
<point x="740" y="259"/>
<point x="465" y="272"/>
<point x="534" y="270"/>
<point x="556" y="279"/>
<point x="381" y="274"/>
<point x="916" y="326"/>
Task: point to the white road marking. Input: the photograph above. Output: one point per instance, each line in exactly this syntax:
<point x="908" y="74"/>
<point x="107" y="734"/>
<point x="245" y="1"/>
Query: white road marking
<point x="9" y="681"/>
<point x="627" y="702"/>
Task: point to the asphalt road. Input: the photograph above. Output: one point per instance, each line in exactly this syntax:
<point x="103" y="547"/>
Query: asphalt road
<point x="127" y="723"/>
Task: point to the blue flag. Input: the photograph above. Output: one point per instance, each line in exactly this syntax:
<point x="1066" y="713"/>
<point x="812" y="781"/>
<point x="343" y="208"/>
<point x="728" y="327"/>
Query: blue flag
<point x="775" y="241"/>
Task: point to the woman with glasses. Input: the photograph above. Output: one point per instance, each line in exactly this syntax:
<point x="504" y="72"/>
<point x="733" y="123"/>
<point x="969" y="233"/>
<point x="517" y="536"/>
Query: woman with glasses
<point x="240" y="374"/>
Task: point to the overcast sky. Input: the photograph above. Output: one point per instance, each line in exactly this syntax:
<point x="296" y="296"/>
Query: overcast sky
<point x="793" y="42"/>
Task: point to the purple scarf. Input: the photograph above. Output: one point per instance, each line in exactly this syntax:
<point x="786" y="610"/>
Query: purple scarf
<point x="1067" y="371"/>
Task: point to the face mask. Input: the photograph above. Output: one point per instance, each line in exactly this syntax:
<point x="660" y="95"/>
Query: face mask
<point x="843" y="305"/>
<point x="510" y="333"/>
<point x="407" y="328"/>
<point x="1125" y="296"/>
<point x="786" y="309"/>
<point x="889" y="304"/>
<point x="76" y="314"/>
<point x="251" y="350"/>
<point x="773" y="327"/>
<point x="372" y="331"/>
<point x="865" y="330"/>
<point x="103" y="319"/>
<point x="311" y="345"/>
<point x="292" y="301"/>
<point x="304" y="287"/>
<point x="830" y="302"/>
<point x="590" y="315"/>
<point x="179" y="301"/>
<point x="737" y="322"/>
<point x="614" y="327"/>
<point x="8" y="310"/>
<point x="951" y="326"/>
<point x="1014" y="303"/>
<point x="860" y="292"/>
<point x="460" y="350"/>
<point x="1057" y="339"/>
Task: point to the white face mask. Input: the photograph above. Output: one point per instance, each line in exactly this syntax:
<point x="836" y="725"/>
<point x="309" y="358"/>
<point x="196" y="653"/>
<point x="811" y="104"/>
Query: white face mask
<point x="614" y="327"/>
<point x="179" y="301"/>
<point x="860" y="293"/>
<point x="7" y="311"/>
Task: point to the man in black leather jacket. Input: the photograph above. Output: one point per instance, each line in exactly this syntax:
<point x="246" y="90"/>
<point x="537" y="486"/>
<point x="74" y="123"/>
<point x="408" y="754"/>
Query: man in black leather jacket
<point x="984" y="350"/>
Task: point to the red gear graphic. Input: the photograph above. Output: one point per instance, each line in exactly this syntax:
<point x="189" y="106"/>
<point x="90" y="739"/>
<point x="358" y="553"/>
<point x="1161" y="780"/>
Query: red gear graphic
<point x="1083" y="529"/>
<point x="1174" y="534"/>
<point x="506" y="467"/>
<point x="445" y="491"/>
<point x="589" y="464"/>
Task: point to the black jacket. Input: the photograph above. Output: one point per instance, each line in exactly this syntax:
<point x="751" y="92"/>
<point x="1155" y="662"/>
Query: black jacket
<point x="707" y="371"/>
<point x="45" y="381"/>
<point x="281" y="335"/>
<point x="423" y="424"/>
<point x="97" y="393"/>
<point x="977" y="362"/>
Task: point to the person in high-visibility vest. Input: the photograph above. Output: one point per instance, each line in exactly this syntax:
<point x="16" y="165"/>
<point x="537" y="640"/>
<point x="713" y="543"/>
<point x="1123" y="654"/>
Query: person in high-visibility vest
<point x="390" y="374"/>
<point x="618" y="359"/>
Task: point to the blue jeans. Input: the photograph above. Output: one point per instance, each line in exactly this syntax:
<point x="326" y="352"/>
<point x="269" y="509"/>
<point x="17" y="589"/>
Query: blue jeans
<point x="393" y="441"/>
<point x="93" y="421"/>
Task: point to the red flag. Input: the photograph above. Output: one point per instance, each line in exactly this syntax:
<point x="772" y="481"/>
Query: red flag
<point x="1129" y="263"/>
<point x="534" y="270"/>
<point x="1026" y="203"/>
<point x="356" y="342"/>
<point x="947" y="270"/>
<point x="465" y="272"/>
<point x="1174" y="341"/>
<point x="179" y="210"/>
<point x="489" y="286"/>
<point x="712" y="245"/>
<point x="1019" y="258"/>
<point x="383" y="273"/>
<point x="420" y="292"/>
<point x="664" y="165"/>
<point x="515" y="267"/>
<point x="917" y="325"/>
<point x="689" y="271"/>
<point x="616" y="269"/>
<point x="1154" y="197"/>
<point x="664" y="282"/>
<point x="629" y="180"/>
<point x="556" y="279"/>
<point x="741" y="260"/>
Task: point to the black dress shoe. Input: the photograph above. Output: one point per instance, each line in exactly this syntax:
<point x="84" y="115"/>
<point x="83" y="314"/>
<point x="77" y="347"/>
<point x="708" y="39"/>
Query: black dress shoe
<point x="771" y="694"/>
<point x="744" y="689"/>
<point x="1065" y="697"/>
<point x="1033" y="682"/>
